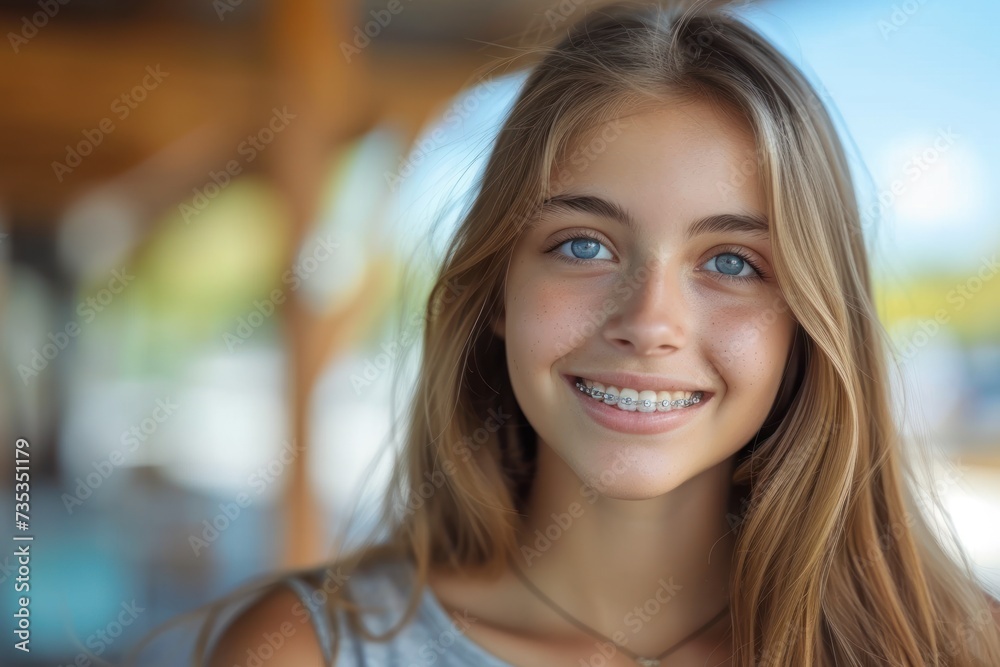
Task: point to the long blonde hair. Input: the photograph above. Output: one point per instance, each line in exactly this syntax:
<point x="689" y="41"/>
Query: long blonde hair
<point x="836" y="562"/>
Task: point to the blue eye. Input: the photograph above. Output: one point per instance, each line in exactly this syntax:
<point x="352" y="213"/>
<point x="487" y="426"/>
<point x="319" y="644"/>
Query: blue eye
<point x="734" y="266"/>
<point x="582" y="248"/>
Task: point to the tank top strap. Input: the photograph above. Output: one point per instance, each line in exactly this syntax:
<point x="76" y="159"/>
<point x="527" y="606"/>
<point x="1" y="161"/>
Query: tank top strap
<point x="304" y="591"/>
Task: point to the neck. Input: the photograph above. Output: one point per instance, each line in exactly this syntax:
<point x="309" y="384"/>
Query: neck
<point x="652" y="570"/>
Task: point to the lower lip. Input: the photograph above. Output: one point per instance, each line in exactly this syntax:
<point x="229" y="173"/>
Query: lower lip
<point x="633" y="421"/>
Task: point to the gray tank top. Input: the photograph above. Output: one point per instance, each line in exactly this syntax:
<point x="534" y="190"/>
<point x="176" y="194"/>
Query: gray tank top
<point x="432" y="636"/>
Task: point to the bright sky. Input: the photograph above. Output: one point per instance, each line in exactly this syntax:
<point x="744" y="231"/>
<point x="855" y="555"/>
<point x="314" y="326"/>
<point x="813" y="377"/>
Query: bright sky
<point x="911" y="78"/>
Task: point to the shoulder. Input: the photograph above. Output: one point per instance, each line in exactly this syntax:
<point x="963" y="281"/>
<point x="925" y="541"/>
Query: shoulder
<point x="290" y="622"/>
<point x="271" y="626"/>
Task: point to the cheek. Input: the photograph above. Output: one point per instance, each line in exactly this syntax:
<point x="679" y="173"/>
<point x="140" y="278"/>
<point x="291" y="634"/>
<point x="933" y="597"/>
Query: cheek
<point x="547" y="319"/>
<point x="748" y="346"/>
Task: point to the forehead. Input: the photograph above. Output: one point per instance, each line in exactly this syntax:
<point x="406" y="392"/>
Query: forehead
<point x="687" y="158"/>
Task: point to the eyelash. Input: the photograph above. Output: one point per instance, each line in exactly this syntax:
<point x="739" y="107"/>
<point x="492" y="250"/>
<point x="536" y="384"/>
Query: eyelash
<point x="730" y="250"/>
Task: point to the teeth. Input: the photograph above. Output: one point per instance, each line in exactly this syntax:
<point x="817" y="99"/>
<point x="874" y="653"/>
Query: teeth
<point x="598" y="388"/>
<point x="647" y="401"/>
<point x="632" y="400"/>
<point x="628" y="399"/>
<point x="611" y="394"/>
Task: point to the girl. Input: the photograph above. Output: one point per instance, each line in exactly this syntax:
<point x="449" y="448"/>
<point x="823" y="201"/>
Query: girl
<point x="652" y="425"/>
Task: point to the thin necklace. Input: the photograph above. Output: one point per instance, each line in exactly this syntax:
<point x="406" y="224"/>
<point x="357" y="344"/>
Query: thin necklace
<point x="645" y="662"/>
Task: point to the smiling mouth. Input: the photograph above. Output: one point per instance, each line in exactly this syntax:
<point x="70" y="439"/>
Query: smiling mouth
<point x="645" y="401"/>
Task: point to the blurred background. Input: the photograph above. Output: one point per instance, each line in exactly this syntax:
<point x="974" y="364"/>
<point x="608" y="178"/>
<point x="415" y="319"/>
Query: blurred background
<point x="216" y="232"/>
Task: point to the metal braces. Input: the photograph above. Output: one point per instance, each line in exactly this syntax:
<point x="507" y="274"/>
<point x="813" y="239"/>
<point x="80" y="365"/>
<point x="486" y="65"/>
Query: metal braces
<point x="611" y="399"/>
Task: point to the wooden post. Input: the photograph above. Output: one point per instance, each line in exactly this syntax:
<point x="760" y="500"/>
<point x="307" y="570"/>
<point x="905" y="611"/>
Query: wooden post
<point x="311" y="75"/>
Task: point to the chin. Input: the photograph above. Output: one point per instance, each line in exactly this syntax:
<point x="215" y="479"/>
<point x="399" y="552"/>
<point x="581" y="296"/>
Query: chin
<point x="632" y="473"/>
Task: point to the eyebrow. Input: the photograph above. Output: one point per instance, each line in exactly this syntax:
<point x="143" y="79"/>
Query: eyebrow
<point x="754" y="225"/>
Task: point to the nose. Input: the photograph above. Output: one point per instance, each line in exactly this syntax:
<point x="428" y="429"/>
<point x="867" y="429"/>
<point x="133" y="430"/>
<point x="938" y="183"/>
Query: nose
<point x="653" y="314"/>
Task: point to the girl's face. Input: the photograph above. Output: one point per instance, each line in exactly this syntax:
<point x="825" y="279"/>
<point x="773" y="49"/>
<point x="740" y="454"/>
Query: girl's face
<point x="682" y="294"/>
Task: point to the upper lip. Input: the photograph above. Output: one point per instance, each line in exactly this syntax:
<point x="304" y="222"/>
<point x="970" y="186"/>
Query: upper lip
<point x="639" y="382"/>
